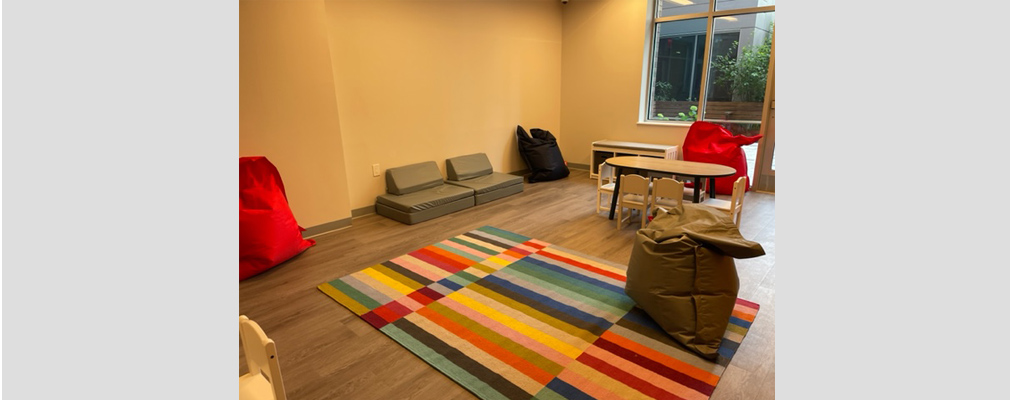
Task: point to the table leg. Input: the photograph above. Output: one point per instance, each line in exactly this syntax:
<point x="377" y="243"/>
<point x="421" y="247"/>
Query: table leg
<point x="697" y="189"/>
<point x="711" y="187"/>
<point x="617" y="189"/>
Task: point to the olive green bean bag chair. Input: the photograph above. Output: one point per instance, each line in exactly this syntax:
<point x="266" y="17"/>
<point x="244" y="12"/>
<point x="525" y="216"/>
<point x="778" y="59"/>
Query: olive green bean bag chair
<point x="683" y="275"/>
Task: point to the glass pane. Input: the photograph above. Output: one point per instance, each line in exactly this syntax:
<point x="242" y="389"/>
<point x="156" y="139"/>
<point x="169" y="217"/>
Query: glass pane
<point x="677" y="62"/>
<point x="750" y="150"/>
<point x="741" y="51"/>
<point x="773" y="159"/>
<point x="738" y="4"/>
<point x="667" y="8"/>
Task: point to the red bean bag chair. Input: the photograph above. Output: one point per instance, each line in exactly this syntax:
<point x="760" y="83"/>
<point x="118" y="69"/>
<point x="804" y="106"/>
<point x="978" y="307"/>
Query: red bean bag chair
<point x="267" y="232"/>
<point x="712" y="143"/>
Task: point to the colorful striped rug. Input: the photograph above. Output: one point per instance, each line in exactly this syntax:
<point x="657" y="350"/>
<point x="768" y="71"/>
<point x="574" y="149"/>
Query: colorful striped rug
<point x="511" y="317"/>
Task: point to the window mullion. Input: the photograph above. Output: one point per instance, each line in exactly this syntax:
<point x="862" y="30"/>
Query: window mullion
<point x="752" y="10"/>
<point x="680" y="17"/>
<point x="703" y="91"/>
<point x="723" y="13"/>
<point x="654" y="54"/>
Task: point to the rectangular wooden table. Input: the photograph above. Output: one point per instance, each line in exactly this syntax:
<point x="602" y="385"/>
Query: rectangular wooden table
<point x="696" y="170"/>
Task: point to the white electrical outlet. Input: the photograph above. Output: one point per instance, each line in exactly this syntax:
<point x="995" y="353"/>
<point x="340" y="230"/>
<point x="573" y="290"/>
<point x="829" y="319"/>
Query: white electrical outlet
<point x="375" y="169"/>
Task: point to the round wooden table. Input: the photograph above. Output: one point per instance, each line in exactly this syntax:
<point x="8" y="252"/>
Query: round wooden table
<point x="696" y="170"/>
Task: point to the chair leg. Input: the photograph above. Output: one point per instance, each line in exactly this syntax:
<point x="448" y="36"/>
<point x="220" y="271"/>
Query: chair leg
<point x="643" y="218"/>
<point x="598" y="202"/>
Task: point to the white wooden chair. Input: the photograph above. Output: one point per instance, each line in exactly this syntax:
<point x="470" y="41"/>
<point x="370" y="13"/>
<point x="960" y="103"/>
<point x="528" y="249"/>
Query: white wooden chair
<point x="263" y="381"/>
<point x="634" y="195"/>
<point x="667" y="193"/>
<point x="604" y="186"/>
<point x="735" y="204"/>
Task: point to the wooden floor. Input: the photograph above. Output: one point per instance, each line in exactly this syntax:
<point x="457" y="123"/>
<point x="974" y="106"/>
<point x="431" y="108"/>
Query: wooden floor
<point x="327" y="352"/>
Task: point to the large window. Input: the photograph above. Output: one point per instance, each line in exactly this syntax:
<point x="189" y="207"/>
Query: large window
<point x="709" y="61"/>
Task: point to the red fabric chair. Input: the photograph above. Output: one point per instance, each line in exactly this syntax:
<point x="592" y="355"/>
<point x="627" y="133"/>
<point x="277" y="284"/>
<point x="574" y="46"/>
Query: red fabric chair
<point x="712" y="143"/>
<point x="268" y="233"/>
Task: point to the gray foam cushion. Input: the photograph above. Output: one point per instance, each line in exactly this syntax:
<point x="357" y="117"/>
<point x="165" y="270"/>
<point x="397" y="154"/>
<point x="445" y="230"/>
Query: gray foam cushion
<point x="412" y="178"/>
<point x="425" y="199"/>
<point x="467" y="167"/>
<point x="489" y="183"/>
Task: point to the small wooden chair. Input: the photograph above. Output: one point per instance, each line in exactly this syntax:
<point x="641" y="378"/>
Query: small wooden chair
<point x="634" y="195"/>
<point x="667" y="193"/>
<point x="263" y="381"/>
<point x="605" y="174"/>
<point x="735" y="204"/>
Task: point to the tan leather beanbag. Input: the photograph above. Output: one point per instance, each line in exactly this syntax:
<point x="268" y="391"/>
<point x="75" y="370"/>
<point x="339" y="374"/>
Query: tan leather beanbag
<point x="683" y="275"/>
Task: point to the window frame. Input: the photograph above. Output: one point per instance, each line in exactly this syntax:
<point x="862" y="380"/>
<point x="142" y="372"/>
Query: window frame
<point x="651" y="25"/>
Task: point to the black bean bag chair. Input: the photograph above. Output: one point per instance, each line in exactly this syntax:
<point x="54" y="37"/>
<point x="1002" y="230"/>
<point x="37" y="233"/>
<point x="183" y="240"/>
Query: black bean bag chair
<point x="541" y="154"/>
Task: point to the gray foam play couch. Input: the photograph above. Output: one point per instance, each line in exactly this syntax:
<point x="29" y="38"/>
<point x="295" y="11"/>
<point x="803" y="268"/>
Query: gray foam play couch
<point x="417" y="193"/>
<point x="474" y="171"/>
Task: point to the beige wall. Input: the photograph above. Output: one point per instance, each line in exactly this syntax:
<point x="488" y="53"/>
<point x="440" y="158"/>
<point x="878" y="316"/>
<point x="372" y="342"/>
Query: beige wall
<point x="428" y="80"/>
<point x="604" y="45"/>
<point x="287" y="105"/>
